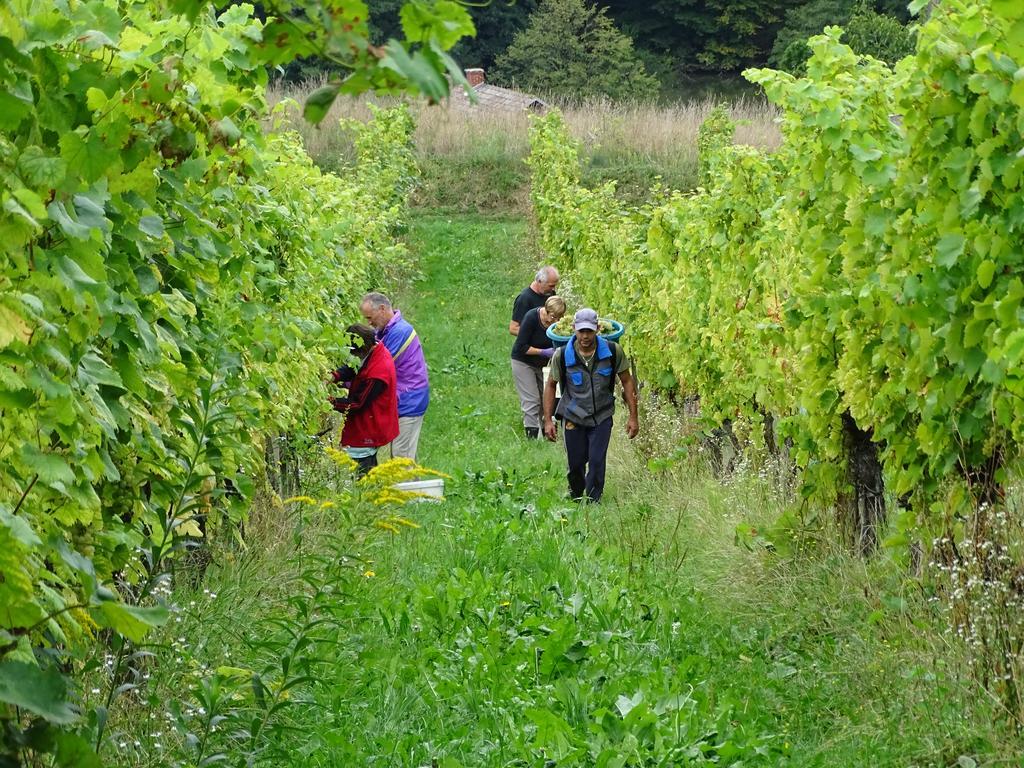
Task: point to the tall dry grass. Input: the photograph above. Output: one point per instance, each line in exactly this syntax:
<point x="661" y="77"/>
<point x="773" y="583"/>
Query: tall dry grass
<point x="663" y="136"/>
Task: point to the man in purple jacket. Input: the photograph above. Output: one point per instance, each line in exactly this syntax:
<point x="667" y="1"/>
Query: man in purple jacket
<point x="410" y="367"/>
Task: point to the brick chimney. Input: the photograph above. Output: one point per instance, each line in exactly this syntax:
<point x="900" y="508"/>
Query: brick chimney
<point x="475" y="77"/>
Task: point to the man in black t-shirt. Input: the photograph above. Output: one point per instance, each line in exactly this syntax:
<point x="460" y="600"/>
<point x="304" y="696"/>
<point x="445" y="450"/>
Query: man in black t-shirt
<point x="533" y="296"/>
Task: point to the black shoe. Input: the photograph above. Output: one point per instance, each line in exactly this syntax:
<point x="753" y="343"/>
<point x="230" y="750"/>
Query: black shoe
<point x="532" y="433"/>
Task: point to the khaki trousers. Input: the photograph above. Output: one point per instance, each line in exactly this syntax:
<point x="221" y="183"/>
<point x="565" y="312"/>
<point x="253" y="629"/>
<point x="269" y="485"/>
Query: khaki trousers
<point x="408" y="440"/>
<point x="529" y="382"/>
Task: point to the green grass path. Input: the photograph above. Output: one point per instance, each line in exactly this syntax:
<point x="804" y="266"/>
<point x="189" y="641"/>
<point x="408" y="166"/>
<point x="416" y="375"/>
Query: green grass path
<point x="514" y="629"/>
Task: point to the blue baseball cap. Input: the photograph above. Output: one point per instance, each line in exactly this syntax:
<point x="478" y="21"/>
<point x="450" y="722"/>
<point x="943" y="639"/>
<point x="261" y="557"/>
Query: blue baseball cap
<point x="585" y="320"/>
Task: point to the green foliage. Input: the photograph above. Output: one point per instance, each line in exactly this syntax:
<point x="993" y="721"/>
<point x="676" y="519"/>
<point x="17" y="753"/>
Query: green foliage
<point x="512" y="624"/>
<point x="496" y="24"/>
<point x="172" y="283"/>
<point x="830" y="276"/>
<point x="592" y="233"/>
<point x="869" y="33"/>
<point x="875" y="34"/>
<point x="790" y="50"/>
<point x="702" y="35"/>
<point x="793" y="57"/>
<point x="919" y="265"/>
<point x="865" y="269"/>
<point x="715" y="133"/>
<point x="338" y="35"/>
<point x="694" y="274"/>
<point x="219" y="708"/>
<point x="864" y="280"/>
<point x="572" y="50"/>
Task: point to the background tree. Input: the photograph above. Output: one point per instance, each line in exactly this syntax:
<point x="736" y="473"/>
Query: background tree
<point x="873" y="29"/>
<point x="879" y="35"/>
<point x="702" y="35"/>
<point x="570" y="49"/>
<point x="499" y="20"/>
<point x="496" y="24"/>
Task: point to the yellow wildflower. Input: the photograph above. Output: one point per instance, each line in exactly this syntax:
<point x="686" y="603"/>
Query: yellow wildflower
<point x="390" y="472"/>
<point x="342" y="459"/>
<point x="368" y="574"/>
<point x="301" y="499"/>
<point x="397" y="470"/>
<point x="84" y="621"/>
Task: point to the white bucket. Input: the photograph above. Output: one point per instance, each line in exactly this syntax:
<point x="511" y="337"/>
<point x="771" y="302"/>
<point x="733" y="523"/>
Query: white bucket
<point x="434" y="487"/>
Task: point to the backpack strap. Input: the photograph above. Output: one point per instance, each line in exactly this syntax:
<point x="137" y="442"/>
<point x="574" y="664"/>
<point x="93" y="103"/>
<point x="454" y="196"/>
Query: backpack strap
<point x="617" y="354"/>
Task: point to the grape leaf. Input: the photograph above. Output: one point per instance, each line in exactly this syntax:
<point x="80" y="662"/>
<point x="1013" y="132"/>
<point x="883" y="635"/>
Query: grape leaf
<point x="42" y="692"/>
<point x="319" y="102"/>
<point x="134" y="622"/>
<point x="51" y="467"/>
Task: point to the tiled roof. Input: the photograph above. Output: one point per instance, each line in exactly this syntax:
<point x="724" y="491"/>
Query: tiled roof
<point x="495" y="97"/>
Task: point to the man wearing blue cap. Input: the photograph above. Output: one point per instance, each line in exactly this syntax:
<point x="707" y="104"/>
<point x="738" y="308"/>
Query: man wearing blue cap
<point x="586" y="367"/>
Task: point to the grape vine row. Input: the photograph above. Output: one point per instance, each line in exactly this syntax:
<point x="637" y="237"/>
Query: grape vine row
<point x="176" y="280"/>
<point x="863" y="283"/>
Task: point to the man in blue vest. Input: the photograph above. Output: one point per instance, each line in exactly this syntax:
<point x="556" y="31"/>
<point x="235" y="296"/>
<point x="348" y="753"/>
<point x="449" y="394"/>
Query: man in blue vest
<point x="586" y="367"/>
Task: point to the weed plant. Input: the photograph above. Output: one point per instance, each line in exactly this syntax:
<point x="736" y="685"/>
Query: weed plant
<point x="230" y="679"/>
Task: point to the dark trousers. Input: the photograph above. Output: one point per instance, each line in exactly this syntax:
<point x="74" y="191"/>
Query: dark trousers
<point x="365" y="464"/>
<point x="587" y="451"/>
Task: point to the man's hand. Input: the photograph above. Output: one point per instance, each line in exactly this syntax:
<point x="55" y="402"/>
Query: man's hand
<point x="550" y="430"/>
<point x="632" y="428"/>
<point x="341" y="376"/>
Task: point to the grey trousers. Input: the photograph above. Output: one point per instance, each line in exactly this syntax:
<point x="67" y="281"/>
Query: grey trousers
<point x="408" y="440"/>
<point x="529" y="382"/>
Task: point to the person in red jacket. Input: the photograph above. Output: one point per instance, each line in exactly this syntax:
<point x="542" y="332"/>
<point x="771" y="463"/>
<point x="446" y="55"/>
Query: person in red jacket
<point x="371" y="406"/>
